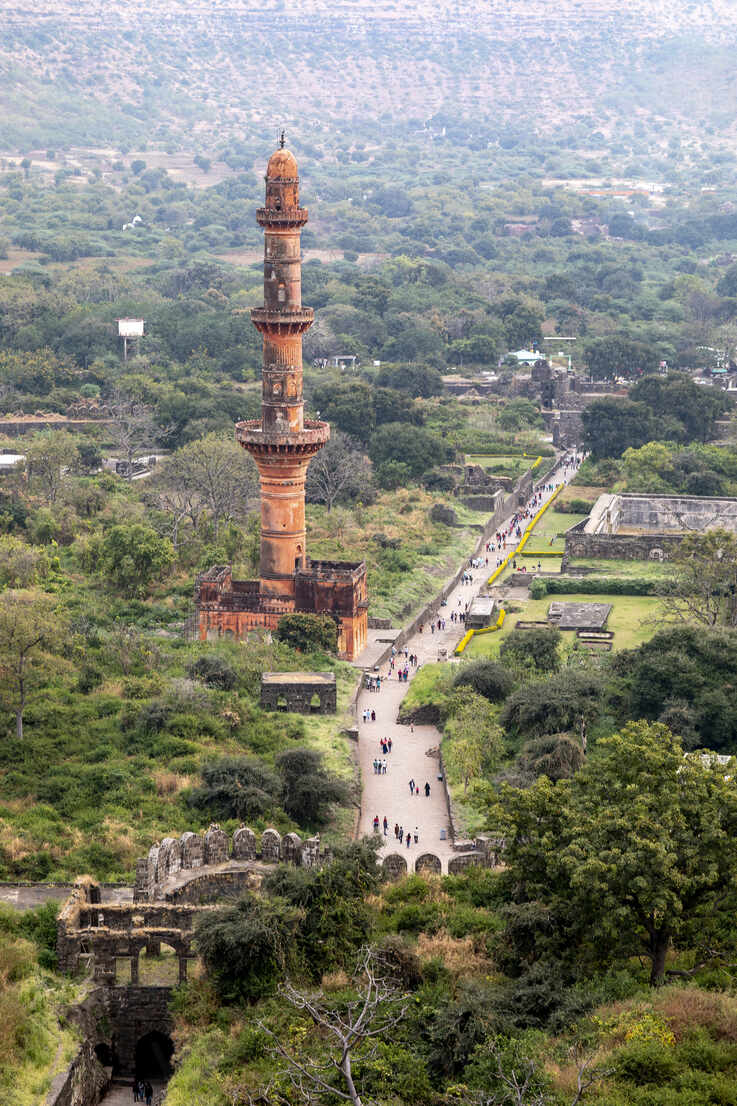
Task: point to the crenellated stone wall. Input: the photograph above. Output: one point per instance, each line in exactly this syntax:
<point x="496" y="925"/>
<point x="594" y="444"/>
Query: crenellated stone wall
<point x="175" y="857"/>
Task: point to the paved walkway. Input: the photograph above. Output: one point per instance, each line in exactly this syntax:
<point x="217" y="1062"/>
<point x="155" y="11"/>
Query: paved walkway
<point x="389" y="795"/>
<point x="121" y="1094"/>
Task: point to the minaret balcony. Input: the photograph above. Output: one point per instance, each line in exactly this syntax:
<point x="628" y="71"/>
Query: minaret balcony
<point x="283" y="218"/>
<point x="254" y="437"/>
<point x="289" y="320"/>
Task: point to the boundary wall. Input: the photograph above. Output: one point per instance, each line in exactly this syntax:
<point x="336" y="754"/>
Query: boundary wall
<point x="174" y="855"/>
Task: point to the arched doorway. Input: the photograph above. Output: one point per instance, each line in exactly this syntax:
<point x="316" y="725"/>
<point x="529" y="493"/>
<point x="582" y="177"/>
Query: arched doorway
<point x="153" y="1056"/>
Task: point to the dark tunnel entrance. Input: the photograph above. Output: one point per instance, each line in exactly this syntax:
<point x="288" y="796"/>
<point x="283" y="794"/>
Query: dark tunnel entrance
<point x="104" y="1054"/>
<point x="153" y="1056"/>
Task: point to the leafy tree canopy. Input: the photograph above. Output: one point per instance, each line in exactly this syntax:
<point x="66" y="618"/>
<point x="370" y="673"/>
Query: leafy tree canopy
<point x="628" y="858"/>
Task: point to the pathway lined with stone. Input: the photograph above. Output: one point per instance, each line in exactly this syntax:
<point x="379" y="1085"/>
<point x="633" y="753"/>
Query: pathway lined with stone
<point x="389" y="795"/>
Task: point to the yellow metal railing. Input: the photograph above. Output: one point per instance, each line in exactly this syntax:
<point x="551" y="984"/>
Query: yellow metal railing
<point x="484" y="630"/>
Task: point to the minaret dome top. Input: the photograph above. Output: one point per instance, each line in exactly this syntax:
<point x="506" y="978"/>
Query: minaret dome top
<point x="282" y="166"/>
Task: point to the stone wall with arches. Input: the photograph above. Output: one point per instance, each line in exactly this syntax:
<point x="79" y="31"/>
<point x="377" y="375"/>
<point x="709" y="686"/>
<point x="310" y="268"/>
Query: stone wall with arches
<point x="169" y="860"/>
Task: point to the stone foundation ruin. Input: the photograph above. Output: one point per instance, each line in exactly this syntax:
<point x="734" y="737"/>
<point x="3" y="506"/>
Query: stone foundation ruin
<point x="646" y="527"/>
<point x="300" y="692"/>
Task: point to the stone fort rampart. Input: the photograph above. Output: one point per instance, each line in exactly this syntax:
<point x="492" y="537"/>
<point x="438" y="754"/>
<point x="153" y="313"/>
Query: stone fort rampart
<point x="160" y="875"/>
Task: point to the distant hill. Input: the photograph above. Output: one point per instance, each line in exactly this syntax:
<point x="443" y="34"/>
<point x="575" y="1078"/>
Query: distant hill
<point x="85" y="72"/>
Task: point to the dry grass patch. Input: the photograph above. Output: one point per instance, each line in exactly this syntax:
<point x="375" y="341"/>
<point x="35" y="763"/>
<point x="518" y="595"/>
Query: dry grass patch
<point x="170" y="783"/>
<point x="334" y="981"/>
<point x="685" y="1007"/>
<point x="458" y="954"/>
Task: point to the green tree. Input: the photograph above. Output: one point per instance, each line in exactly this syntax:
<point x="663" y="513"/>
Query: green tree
<point x="247" y="948"/>
<point x="610" y="426"/>
<point x="50" y="455"/>
<point x="308" y="633"/>
<point x="692" y="408"/>
<point x="236" y="787"/>
<point x="21" y="565"/>
<point x="30" y="625"/>
<point x="307" y="789"/>
<point x="705" y="587"/>
<point x="649" y="468"/>
<point x="133" y="556"/>
<point x="566" y="702"/>
<point x="535" y="650"/>
<point x="336" y="919"/>
<point x="630" y="857"/>
<point x="618" y="356"/>
<point x="414" y="446"/>
<point x="418" y="380"/>
<point x="475" y="737"/>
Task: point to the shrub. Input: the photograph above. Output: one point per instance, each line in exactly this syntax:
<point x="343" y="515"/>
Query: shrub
<point x="308" y="632"/>
<point x="601" y="585"/>
<point x="417" y="917"/>
<point x="487" y="678"/>
<point x="644" y="1062"/>
<point x="307" y="789"/>
<point x="572" y="506"/>
<point x="236" y="787"/>
<point x="213" y="671"/>
<point x="538" y="588"/>
<point x="533" y="649"/>
<point x="247" y="948"/>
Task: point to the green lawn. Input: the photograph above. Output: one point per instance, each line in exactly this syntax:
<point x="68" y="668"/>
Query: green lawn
<point x="651" y="570"/>
<point x="548" y="534"/>
<point x="502" y="465"/>
<point x="630" y="619"/>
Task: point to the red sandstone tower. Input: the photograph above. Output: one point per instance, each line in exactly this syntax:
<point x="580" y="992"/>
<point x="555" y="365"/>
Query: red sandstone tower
<point x="281" y="442"/>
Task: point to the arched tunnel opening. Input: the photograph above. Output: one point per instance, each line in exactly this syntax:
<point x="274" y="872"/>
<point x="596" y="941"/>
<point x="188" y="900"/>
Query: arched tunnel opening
<point x="105" y="1055"/>
<point x="153" y="1056"/>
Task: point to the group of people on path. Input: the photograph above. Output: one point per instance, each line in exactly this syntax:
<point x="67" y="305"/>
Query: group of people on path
<point x="143" y="1091"/>
<point x="402" y="661"/>
<point x="414" y="788"/>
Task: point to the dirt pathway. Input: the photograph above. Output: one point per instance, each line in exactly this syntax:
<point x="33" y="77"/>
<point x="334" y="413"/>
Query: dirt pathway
<point x="388" y="795"/>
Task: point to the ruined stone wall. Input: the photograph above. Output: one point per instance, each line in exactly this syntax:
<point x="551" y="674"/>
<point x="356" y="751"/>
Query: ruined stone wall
<point x="641" y="547"/>
<point x="192" y="851"/>
<point x="484" y="852"/>
<point x="133" y="1012"/>
<point x="83" y="1083"/>
<point x="298" y="697"/>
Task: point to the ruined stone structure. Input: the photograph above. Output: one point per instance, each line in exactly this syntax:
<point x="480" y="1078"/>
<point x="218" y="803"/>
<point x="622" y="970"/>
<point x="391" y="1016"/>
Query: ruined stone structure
<point x="302" y="692"/>
<point x="282" y="443"/>
<point x="484" y="852"/>
<point x="646" y="527"/>
<point x="216" y="862"/>
<point x="107" y="932"/>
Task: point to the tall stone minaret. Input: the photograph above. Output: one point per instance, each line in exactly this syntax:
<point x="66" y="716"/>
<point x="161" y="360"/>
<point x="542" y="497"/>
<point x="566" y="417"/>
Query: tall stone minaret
<point x="281" y="442"/>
